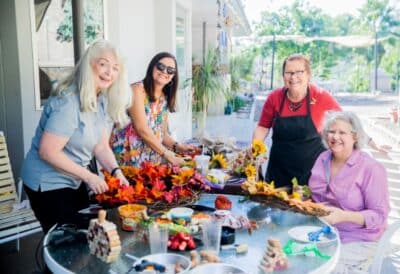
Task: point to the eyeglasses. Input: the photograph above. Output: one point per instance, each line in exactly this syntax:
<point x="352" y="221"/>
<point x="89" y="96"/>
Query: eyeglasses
<point x="297" y="73"/>
<point x="339" y="132"/>
<point x="161" y="67"/>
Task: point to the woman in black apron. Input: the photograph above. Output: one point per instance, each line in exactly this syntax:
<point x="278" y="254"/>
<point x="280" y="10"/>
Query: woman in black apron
<point x="296" y="145"/>
<point x="295" y="113"/>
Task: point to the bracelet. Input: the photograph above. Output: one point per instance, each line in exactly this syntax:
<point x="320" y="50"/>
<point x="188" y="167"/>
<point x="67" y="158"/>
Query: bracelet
<point x="114" y="170"/>
<point x="174" y="146"/>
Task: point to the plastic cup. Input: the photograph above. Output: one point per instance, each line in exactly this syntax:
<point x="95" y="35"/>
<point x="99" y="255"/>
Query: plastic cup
<point x="158" y="239"/>
<point x="202" y="162"/>
<point x="211" y="232"/>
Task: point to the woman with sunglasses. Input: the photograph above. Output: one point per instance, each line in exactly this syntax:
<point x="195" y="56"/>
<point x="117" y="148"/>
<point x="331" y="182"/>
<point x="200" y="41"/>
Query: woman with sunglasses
<point x="147" y="138"/>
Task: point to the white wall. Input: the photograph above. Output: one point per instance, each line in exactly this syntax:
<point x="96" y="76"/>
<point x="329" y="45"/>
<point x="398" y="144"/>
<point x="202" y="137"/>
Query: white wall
<point x="26" y="48"/>
<point x="142" y="28"/>
<point x="131" y="27"/>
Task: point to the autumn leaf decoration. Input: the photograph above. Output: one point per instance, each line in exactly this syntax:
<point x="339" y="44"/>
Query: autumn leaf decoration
<point x="153" y="183"/>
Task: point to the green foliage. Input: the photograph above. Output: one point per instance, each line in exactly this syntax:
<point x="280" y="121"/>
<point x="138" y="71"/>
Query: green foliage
<point x="299" y="18"/>
<point x="240" y="67"/>
<point x="206" y="82"/>
<point x="358" y="79"/>
<point x="65" y="30"/>
<point x="238" y="103"/>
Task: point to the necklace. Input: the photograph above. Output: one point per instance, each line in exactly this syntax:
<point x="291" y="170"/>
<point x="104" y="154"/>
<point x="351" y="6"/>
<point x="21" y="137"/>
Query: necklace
<point x="294" y="106"/>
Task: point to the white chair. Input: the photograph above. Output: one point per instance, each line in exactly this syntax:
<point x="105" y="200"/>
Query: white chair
<point x="383" y="262"/>
<point x="15" y="221"/>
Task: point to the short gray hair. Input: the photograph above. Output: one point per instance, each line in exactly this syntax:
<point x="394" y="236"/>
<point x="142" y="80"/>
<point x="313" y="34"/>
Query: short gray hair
<point x="352" y="119"/>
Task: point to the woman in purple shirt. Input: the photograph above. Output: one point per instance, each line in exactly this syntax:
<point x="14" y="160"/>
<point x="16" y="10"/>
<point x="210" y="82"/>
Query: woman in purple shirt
<point x="353" y="185"/>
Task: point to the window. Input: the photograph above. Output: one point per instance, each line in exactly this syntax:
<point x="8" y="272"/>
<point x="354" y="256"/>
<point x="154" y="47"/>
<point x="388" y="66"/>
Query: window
<point x="54" y="40"/>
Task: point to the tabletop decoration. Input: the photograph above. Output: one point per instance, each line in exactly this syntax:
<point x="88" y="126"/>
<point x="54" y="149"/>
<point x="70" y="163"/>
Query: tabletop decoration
<point x="157" y="186"/>
<point x="103" y="238"/>
<point x="248" y="161"/>
<point x="218" y="161"/>
<point x="266" y="193"/>
<point x="222" y="202"/>
<point x="274" y="258"/>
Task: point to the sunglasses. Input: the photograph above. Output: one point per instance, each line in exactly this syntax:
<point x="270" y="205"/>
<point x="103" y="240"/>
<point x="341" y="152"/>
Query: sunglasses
<point x="161" y="67"/>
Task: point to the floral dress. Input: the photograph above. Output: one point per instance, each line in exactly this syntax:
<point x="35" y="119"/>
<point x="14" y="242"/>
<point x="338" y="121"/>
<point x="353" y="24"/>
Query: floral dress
<point x="129" y="148"/>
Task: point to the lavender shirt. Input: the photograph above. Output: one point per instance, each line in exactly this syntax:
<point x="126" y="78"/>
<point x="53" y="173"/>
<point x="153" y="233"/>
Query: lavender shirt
<point x="360" y="185"/>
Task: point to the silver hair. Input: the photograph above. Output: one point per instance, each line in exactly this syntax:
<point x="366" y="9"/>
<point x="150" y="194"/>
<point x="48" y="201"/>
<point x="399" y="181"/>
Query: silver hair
<point x="119" y="95"/>
<point x="352" y="119"/>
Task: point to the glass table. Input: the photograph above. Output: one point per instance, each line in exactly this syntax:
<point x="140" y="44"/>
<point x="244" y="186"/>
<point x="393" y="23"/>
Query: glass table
<point x="75" y="257"/>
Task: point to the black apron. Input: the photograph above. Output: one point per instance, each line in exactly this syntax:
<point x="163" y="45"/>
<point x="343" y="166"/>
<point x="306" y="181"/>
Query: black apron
<point x="296" y="145"/>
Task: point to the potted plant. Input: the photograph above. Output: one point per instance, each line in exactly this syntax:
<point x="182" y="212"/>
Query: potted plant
<point x="207" y="86"/>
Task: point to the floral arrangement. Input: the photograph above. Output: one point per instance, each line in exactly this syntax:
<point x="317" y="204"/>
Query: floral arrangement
<point x="247" y="162"/>
<point x="218" y="161"/>
<point x="165" y="184"/>
<point x="268" y="194"/>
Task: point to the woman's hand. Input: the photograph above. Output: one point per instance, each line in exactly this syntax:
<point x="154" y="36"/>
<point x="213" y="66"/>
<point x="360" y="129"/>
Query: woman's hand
<point x="96" y="184"/>
<point x="336" y="215"/>
<point x="122" y="179"/>
<point x="384" y="148"/>
<point x="185" y="148"/>
<point x="170" y="157"/>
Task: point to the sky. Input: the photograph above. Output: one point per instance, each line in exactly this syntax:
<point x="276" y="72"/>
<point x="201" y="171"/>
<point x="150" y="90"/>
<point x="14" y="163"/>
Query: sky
<point x="253" y="8"/>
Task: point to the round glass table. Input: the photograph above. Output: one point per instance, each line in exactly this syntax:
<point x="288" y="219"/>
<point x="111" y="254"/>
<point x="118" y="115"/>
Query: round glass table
<point x="75" y="257"/>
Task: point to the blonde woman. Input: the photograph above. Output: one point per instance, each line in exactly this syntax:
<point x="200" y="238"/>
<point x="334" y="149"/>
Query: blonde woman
<point x="75" y="126"/>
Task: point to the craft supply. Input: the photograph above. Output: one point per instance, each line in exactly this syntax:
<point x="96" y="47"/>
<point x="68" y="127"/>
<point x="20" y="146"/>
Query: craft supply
<point x="103" y="238"/>
<point x="294" y="248"/>
<point x="274" y="258"/>
<point x="326" y="231"/>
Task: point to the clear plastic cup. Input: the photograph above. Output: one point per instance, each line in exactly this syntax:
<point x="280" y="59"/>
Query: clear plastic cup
<point x="158" y="239"/>
<point x="202" y="162"/>
<point x="211" y="232"/>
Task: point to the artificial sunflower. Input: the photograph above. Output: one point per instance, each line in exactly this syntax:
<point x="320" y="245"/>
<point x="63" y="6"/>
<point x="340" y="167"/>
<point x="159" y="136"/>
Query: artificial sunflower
<point x="250" y="171"/>
<point x="218" y="161"/>
<point x="258" y="147"/>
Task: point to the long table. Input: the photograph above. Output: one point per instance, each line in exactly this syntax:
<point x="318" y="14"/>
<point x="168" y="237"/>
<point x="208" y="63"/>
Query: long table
<point x="76" y="258"/>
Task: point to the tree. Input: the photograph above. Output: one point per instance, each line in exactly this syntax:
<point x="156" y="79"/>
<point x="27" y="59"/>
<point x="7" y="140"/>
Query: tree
<point x="380" y="19"/>
<point x="93" y="28"/>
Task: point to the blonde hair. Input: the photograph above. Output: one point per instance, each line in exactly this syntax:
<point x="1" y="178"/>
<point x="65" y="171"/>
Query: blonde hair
<point x="119" y="95"/>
